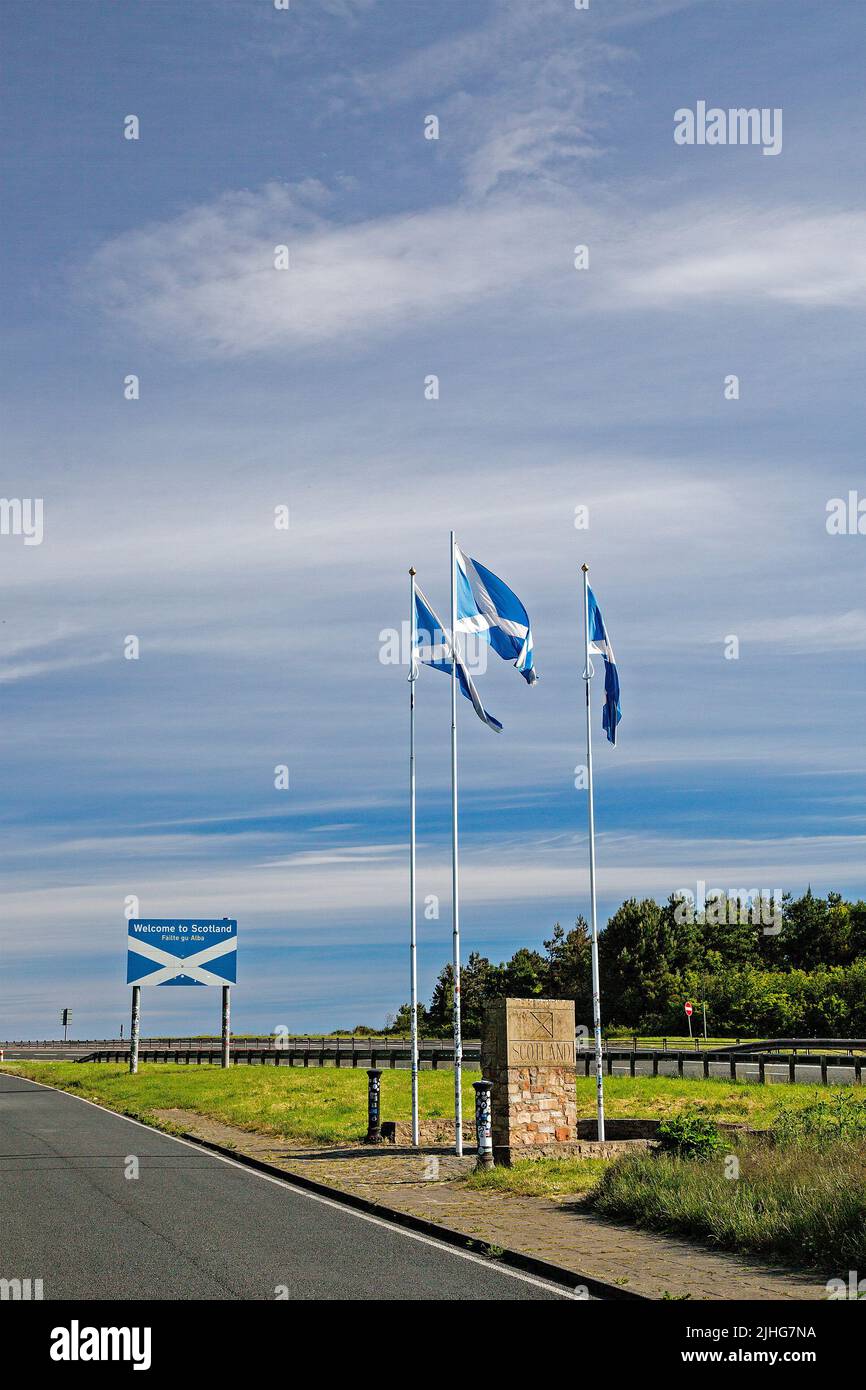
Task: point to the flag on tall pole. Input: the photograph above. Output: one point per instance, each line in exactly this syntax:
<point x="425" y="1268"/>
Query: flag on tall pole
<point x="483" y="604"/>
<point x="433" y="646"/>
<point x="480" y="603"/>
<point x="488" y="607"/>
<point x="455" y="887"/>
<point x="600" y="644"/>
<point x="597" y="641"/>
<point x="413" y="953"/>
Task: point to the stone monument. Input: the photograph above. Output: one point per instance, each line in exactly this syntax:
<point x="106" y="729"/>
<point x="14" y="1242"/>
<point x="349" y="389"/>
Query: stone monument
<point x="527" y="1052"/>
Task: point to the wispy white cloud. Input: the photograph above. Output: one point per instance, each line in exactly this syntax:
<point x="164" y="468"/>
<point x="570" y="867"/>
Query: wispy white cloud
<point x="347" y="9"/>
<point x="29" y="670"/>
<point x="547" y="873"/>
<point x="345" y="281"/>
<point x="206" y="282"/>
<point x="787" y="254"/>
<point x="809" y="632"/>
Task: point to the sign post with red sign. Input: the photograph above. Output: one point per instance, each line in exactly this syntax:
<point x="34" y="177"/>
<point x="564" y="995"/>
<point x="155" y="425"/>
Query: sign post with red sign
<point x="689" y="1017"/>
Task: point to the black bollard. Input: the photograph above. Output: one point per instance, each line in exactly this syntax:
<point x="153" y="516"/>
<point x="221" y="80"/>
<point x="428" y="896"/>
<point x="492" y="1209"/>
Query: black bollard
<point x="483" y="1127"/>
<point x="374" y="1106"/>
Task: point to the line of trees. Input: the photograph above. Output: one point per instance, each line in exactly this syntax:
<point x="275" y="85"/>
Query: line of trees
<point x="800" y="971"/>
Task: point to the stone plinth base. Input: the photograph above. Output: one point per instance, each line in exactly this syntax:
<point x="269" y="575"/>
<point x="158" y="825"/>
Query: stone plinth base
<point x="579" y="1148"/>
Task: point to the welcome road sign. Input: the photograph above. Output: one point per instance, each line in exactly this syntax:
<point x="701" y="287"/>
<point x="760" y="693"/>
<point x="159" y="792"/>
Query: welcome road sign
<point x="180" y="951"/>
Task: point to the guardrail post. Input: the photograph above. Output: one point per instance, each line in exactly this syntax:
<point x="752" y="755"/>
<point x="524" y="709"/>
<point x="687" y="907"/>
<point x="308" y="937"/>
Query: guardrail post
<point x="483" y="1128"/>
<point x="680" y="1060"/>
<point x="374" y="1106"/>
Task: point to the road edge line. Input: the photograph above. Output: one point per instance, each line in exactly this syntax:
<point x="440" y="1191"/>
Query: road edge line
<point x="517" y="1259"/>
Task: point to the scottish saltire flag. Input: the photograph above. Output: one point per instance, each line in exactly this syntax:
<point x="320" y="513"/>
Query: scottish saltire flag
<point x="487" y="606"/>
<point x="432" y="646"/>
<point x="600" y="644"/>
<point x="182" y="951"/>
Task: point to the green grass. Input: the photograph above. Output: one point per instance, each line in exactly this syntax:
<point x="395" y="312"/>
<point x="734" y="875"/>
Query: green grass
<point x="660" y="1098"/>
<point x="804" y="1205"/>
<point x="328" y="1105"/>
<point x="540" y="1177"/>
<point x="309" y="1106"/>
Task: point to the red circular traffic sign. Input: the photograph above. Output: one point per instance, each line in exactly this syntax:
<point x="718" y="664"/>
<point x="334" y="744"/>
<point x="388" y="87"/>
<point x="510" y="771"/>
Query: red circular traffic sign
<point x="689" y="1010"/>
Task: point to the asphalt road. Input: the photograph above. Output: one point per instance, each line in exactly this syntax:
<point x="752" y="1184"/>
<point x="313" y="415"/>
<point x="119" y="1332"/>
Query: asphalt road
<point x="192" y="1226"/>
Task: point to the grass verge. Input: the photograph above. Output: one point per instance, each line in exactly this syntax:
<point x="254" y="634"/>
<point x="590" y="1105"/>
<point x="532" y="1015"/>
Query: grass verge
<point x="315" y="1106"/>
<point x="329" y="1105"/>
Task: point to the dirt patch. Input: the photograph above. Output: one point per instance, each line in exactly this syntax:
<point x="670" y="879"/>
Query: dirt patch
<point x="264" y="1146"/>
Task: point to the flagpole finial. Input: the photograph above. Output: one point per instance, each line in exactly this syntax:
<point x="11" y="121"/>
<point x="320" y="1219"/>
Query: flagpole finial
<point x="585" y="569"/>
<point x="412" y="570"/>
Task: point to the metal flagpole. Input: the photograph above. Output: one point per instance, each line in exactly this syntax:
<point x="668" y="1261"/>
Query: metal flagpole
<point x="413" y="953"/>
<point x="596" y="995"/>
<point x="455" y="901"/>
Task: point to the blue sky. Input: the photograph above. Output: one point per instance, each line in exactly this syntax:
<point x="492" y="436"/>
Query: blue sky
<point x="559" y="388"/>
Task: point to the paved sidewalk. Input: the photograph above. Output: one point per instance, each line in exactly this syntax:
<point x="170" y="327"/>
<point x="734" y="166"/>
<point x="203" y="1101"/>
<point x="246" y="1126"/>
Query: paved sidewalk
<point x="427" y="1184"/>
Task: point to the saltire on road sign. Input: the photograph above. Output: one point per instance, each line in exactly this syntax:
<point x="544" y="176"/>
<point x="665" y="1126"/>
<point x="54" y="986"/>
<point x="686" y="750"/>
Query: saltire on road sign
<point x="182" y="951"/>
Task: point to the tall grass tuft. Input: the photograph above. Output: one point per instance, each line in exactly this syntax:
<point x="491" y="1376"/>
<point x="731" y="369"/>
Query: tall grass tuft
<point x="803" y="1203"/>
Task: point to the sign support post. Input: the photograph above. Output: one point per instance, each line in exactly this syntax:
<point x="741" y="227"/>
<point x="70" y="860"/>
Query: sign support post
<point x="134" y="1029"/>
<point x="227" y="1015"/>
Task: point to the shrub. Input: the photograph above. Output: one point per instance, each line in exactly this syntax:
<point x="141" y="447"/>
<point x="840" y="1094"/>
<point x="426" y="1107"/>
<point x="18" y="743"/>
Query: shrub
<point x="690" y="1136"/>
